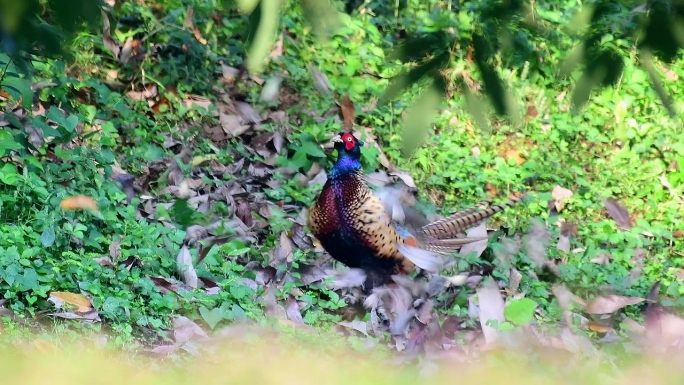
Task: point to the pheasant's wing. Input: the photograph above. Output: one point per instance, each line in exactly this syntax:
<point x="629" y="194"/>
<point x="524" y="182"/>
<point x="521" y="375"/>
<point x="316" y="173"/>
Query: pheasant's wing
<point x="382" y="236"/>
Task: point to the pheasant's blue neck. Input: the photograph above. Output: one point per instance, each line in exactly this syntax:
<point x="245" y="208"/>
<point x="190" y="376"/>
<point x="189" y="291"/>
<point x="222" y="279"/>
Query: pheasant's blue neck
<point x="345" y="165"/>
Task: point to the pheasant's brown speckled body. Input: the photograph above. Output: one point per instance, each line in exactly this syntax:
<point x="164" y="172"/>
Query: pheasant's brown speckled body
<point x="351" y="223"/>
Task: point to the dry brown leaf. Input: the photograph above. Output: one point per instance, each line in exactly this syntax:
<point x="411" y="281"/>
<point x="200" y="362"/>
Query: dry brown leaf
<point x="194" y="234"/>
<point x="514" y="279"/>
<point x="164" y="350"/>
<point x="185" y="267"/>
<point x="232" y="125"/>
<point x="132" y="48"/>
<point x="79" y="202"/>
<point x="115" y="249"/>
<point x="229" y="73"/>
<point x="320" y="80"/>
<point x="244" y="213"/>
<point x="248" y="112"/>
<point x="563" y="243"/>
<point x="638" y="260"/>
<point x="602" y="259"/>
<point x="166" y="285"/>
<point x="293" y="311"/>
<point x="490" y="306"/>
<point x="378" y="178"/>
<point x="357" y="325"/>
<point x="480" y="231"/>
<point x="598" y="328"/>
<point x="196" y="100"/>
<point x="283" y="253"/>
<point x="92" y="315"/>
<point x="348" y="113"/>
<point x="619" y="213"/>
<point x="104" y="261"/>
<point x="560" y="195"/>
<point x="184" y="330"/>
<point x="610" y="304"/>
<point x="196" y="32"/>
<point x="515" y="156"/>
<point x="74" y="301"/>
<point x="664" y="331"/>
<point x="271" y="307"/>
<point x="633" y="325"/>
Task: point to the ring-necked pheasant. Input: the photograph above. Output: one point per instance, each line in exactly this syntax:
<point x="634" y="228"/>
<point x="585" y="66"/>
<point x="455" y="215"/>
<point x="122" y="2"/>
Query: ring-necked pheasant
<point x="351" y="223"/>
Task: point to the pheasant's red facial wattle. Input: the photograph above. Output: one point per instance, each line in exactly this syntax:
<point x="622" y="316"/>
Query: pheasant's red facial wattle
<point x="349" y="141"/>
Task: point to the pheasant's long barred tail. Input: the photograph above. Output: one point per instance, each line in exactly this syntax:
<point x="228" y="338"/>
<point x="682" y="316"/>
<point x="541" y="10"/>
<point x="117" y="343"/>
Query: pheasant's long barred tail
<point x="453" y="225"/>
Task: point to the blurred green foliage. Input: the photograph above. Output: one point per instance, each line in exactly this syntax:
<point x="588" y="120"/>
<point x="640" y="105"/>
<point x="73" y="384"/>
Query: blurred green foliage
<point x="500" y="34"/>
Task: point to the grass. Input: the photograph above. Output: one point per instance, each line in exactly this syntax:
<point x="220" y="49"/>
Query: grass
<point x="126" y="259"/>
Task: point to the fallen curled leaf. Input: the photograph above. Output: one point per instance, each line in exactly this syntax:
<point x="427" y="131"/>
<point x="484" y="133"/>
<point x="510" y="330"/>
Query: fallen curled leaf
<point x="560" y="195"/>
<point x="597" y="327"/>
<point x="348" y="113"/>
<point x="78" y="202"/>
<point x="490" y="306"/>
<point x="232" y="125"/>
<point x="610" y="304"/>
<point x="196" y="32"/>
<point x="186" y="267"/>
<point x="357" y="325"/>
<point x="184" y="329"/>
<point x="618" y="212"/>
<point x="479" y="246"/>
<point x="514" y="155"/>
<point x="76" y="302"/>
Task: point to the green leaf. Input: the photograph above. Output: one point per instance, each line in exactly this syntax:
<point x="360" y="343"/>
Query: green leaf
<point x="214" y="316"/>
<point x="47" y="238"/>
<point x="55" y="115"/>
<point x="7" y="143"/>
<point x="492" y="83"/>
<point x="403" y="81"/>
<point x="19" y="89"/>
<point x="311" y="149"/>
<point x="237" y="313"/>
<point x="71" y="122"/>
<point x="520" y="311"/>
<point x="419" y="116"/>
<point x="9" y="175"/>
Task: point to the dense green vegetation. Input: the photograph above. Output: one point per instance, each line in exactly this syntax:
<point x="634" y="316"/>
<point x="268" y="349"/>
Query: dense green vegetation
<point x="182" y="150"/>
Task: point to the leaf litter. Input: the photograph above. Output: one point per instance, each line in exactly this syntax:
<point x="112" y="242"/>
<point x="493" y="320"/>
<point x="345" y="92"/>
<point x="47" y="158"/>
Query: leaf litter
<point x="407" y="309"/>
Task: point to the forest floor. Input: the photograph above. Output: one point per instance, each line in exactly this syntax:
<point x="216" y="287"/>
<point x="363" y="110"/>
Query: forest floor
<point x="158" y="206"/>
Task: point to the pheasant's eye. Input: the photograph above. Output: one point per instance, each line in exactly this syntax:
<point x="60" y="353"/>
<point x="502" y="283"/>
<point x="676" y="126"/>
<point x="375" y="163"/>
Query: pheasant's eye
<point x="349" y="139"/>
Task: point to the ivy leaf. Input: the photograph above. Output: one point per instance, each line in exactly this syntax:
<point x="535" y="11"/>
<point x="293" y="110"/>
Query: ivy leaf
<point x="212" y="317"/>
<point x="47" y="238"/>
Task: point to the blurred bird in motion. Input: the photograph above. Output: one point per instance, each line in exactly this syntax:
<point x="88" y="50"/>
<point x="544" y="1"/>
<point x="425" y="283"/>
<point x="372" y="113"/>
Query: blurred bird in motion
<point x="352" y="224"/>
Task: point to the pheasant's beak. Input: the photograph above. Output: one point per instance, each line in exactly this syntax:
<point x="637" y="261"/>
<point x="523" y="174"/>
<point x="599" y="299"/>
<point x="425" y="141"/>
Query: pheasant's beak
<point x="336" y="139"/>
